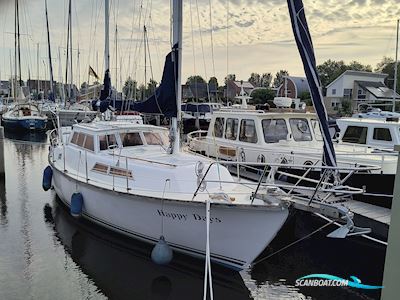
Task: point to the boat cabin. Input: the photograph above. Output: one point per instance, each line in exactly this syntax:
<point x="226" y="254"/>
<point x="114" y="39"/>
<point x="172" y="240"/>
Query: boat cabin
<point x="258" y="127"/>
<point x="103" y="136"/>
<point x="382" y="133"/>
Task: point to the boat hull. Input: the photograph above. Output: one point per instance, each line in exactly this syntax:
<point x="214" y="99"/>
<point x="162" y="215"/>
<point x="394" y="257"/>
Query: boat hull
<point x="238" y="233"/>
<point x="26" y="124"/>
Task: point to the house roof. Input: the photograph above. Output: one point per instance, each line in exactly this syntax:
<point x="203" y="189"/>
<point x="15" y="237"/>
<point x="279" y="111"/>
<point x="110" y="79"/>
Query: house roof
<point x="301" y="84"/>
<point x="245" y="84"/>
<point x="359" y="73"/>
<point x="378" y="89"/>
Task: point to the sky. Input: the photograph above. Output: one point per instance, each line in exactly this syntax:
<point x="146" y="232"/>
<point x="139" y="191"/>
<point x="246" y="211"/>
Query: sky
<point x="219" y="36"/>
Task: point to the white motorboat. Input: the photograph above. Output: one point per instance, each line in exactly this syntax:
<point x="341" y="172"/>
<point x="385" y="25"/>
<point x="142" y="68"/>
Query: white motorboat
<point x="292" y="138"/>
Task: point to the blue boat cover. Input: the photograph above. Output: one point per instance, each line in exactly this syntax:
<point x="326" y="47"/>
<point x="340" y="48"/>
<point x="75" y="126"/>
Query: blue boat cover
<point x="305" y="46"/>
<point x="163" y="101"/>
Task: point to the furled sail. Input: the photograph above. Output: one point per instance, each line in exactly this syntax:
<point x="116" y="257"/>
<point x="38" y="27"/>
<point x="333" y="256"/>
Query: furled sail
<point x="163" y="101"/>
<point x="305" y="46"/>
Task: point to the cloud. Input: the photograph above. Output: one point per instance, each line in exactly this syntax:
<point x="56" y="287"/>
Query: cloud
<point x="258" y="33"/>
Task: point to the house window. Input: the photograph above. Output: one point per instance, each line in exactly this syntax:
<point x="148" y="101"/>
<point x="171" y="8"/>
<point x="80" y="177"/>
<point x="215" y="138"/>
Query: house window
<point x="274" y="130"/>
<point x="248" y="131"/>
<point x="347" y="92"/>
<point x="355" y="135"/>
<point x="231" y="128"/>
<point x="300" y="130"/>
<point x="219" y="127"/>
<point x="333" y="91"/>
<point x="361" y="94"/>
<point x="382" y="134"/>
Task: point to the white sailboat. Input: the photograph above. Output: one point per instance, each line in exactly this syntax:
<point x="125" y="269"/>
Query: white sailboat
<point x="132" y="181"/>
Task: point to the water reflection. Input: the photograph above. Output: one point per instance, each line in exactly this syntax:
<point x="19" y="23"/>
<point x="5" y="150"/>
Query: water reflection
<point x="122" y="269"/>
<point x="3" y="201"/>
<point x="30" y="136"/>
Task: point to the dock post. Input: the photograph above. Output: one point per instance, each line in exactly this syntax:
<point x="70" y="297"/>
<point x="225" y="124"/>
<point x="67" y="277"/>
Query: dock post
<point x="2" y="152"/>
<point x="391" y="273"/>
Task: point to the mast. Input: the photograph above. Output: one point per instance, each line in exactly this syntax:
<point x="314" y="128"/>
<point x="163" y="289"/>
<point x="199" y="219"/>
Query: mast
<point x="19" y="45"/>
<point x="37" y="71"/>
<point x="49" y="52"/>
<point x="395" y="69"/>
<point x="66" y="63"/>
<point x="107" y="38"/>
<point x="177" y="39"/>
<point x="70" y="48"/>
<point x="145" y="61"/>
<point x="15" y="51"/>
<point x="116" y="57"/>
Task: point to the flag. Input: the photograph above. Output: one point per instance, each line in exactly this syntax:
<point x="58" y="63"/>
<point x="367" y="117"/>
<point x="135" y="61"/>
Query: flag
<point x="93" y="73"/>
<point x="306" y="50"/>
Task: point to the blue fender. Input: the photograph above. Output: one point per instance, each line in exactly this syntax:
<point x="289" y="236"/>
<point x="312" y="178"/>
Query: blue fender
<point x="47" y="178"/>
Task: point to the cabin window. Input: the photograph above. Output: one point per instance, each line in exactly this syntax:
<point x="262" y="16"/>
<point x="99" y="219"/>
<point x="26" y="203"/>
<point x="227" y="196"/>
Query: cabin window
<point x="89" y="143"/>
<point x="155" y="138"/>
<point x="131" y="139"/>
<point x="355" y="134"/>
<point x="274" y="130"/>
<point x="74" y="139"/>
<point x="219" y="127"/>
<point x="317" y="130"/>
<point x="231" y="128"/>
<point x="300" y="130"/>
<point x="382" y="134"/>
<point x="107" y="141"/>
<point x="81" y="139"/>
<point x="248" y="132"/>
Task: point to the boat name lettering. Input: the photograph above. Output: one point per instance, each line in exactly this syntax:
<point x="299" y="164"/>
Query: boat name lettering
<point x="184" y="217"/>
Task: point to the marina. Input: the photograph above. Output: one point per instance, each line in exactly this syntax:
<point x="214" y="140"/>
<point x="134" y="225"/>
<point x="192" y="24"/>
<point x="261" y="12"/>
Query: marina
<point x="275" y="187"/>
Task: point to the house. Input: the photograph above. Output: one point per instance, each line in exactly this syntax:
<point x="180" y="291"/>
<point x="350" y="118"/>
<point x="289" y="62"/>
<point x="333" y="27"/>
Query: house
<point x="199" y="91"/>
<point x="293" y="87"/>
<point x="359" y="87"/>
<point x="4" y="87"/>
<point x="234" y="87"/>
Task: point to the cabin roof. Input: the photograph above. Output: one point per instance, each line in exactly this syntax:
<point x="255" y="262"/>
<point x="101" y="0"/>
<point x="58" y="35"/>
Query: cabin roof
<point x="367" y="121"/>
<point x="98" y="127"/>
<point x="261" y="114"/>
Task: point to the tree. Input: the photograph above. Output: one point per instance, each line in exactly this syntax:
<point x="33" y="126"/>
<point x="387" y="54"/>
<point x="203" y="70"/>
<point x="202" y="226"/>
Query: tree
<point x="330" y="70"/>
<point x="386" y="66"/>
<point x="213" y="82"/>
<point x="356" y="66"/>
<point x="261" y="96"/>
<point x="346" y="107"/>
<point x="230" y="77"/>
<point x="195" y="79"/>
<point x="255" y="79"/>
<point x="265" y="80"/>
<point x="151" y="88"/>
<point x="129" y="88"/>
<point x="278" y="80"/>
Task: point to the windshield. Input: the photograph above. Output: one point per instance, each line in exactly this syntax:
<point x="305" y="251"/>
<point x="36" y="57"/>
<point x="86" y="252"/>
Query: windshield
<point x="300" y="129"/>
<point x="156" y="138"/>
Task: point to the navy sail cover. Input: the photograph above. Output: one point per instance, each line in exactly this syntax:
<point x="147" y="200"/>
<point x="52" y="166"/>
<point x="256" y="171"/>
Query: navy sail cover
<point x="163" y="101"/>
<point x="305" y="46"/>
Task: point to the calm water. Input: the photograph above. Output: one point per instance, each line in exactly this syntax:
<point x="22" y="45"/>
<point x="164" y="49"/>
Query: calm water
<point x="46" y="254"/>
